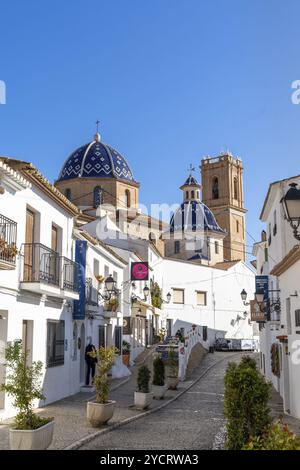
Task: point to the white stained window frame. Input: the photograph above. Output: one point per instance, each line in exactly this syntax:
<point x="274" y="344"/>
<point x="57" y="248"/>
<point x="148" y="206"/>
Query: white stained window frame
<point x="179" y="291"/>
<point x="204" y="293"/>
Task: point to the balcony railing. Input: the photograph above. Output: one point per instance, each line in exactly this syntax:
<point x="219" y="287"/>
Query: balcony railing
<point x="92" y="297"/>
<point x="41" y="264"/>
<point x="70" y="275"/>
<point x="8" y="240"/>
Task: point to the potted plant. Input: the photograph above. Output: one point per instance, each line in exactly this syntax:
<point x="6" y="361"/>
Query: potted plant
<point x="158" y="384"/>
<point x="101" y="410"/>
<point x="30" y="431"/>
<point x="143" y="396"/>
<point x="172" y="370"/>
<point x="99" y="278"/>
<point x="126" y="352"/>
<point x="112" y="305"/>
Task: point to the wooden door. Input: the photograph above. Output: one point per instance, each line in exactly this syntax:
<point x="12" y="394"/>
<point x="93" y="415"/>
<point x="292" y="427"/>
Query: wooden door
<point x="28" y="251"/>
<point x="54" y="238"/>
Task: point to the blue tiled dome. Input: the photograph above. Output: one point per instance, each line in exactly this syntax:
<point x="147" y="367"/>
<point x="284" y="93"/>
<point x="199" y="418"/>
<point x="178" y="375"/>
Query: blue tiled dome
<point x="96" y="160"/>
<point x="194" y="216"/>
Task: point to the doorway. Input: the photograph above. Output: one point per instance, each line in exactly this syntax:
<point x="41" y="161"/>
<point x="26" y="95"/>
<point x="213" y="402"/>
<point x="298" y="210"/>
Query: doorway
<point x="82" y="354"/>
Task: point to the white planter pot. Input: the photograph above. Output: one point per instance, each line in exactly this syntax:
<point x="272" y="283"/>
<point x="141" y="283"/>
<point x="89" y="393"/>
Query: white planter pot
<point x="36" y="439"/>
<point x="159" y="391"/>
<point x="100" y="413"/>
<point x="142" y="400"/>
<point x="172" y="383"/>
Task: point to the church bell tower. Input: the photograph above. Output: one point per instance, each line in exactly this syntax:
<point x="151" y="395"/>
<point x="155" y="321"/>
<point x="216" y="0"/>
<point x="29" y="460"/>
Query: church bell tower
<point x="223" y="193"/>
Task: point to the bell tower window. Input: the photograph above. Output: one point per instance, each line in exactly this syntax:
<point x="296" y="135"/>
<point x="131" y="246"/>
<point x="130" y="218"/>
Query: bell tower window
<point x="235" y="188"/>
<point x="192" y="194"/>
<point x="215" y="188"/>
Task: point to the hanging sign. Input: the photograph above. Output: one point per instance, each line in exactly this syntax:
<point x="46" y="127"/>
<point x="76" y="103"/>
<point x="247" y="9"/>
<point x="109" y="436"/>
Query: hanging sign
<point x="139" y="271"/>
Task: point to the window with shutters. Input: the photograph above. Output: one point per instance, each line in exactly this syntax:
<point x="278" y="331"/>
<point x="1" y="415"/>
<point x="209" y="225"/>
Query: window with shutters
<point x="178" y="296"/>
<point x="201" y="298"/>
<point x="55" y="343"/>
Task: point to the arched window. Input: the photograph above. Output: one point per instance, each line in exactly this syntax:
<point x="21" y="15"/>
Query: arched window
<point x="127" y="198"/>
<point x="186" y="194"/>
<point x="216" y="247"/>
<point x="215" y="188"/>
<point x="97" y="196"/>
<point x="192" y="194"/>
<point x="68" y="193"/>
<point x="235" y="188"/>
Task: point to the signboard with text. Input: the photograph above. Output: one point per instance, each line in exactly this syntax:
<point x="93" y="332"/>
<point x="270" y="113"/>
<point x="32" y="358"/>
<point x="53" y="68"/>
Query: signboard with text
<point x="262" y="286"/>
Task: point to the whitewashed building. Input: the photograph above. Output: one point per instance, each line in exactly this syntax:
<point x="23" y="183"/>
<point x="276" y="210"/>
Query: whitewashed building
<point x="43" y="301"/>
<point x="278" y="258"/>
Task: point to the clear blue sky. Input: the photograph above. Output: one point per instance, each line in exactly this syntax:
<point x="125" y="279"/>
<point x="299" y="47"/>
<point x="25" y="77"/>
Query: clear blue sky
<point x="169" y="80"/>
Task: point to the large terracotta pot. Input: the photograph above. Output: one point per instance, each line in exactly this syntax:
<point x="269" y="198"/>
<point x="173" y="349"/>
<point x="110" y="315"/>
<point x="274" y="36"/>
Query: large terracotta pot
<point x="100" y="413"/>
<point x="36" y="439"/>
<point x="142" y="400"/>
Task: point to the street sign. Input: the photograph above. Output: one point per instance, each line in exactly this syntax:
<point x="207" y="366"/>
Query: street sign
<point x="256" y="313"/>
<point x="262" y="286"/>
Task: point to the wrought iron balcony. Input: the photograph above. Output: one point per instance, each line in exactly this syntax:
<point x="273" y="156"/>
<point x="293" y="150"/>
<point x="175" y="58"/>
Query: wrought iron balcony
<point x="92" y="295"/>
<point x="41" y="268"/>
<point x="69" y="275"/>
<point x="8" y="240"/>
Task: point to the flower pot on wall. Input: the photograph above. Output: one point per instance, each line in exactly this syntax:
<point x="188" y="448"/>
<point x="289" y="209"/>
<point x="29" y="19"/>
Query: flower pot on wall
<point x="36" y="439"/>
<point x="142" y="400"/>
<point x="100" y="413"/>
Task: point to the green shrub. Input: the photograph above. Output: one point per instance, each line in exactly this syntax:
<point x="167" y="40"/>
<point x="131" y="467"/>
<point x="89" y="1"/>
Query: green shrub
<point x="245" y="403"/>
<point x="158" y="372"/>
<point x="23" y="384"/>
<point x="171" y="363"/>
<point x="105" y="360"/>
<point x="143" y="379"/>
<point x="276" y="437"/>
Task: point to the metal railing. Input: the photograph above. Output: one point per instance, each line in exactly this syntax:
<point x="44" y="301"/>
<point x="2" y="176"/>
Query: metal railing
<point x="70" y="274"/>
<point x="41" y="264"/>
<point x="92" y="296"/>
<point x="8" y="240"/>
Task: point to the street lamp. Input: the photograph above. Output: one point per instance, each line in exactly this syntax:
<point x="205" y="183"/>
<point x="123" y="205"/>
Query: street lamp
<point x="291" y="205"/>
<point x="146" y="291"/>
<point x="110" y="284"/>
<point x="259" y="296"/>
<point x="244" y="297"/>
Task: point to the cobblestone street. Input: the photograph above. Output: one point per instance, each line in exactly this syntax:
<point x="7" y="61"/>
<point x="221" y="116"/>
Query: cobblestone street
<point x="190" y="422"/>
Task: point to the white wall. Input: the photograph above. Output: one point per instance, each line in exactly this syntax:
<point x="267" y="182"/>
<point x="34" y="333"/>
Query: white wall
<point x="223" y="297"/>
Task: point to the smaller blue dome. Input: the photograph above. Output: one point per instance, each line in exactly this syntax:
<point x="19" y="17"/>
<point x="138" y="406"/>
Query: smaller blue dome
<point x="194" y="216"/>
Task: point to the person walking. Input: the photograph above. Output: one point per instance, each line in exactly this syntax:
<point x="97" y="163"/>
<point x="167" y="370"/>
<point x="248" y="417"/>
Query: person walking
<point x="90" y="362"/>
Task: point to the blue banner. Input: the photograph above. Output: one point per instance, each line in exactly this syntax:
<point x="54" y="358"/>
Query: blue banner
<point x="262" y="286"/>
<point x="80" y="258"/>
